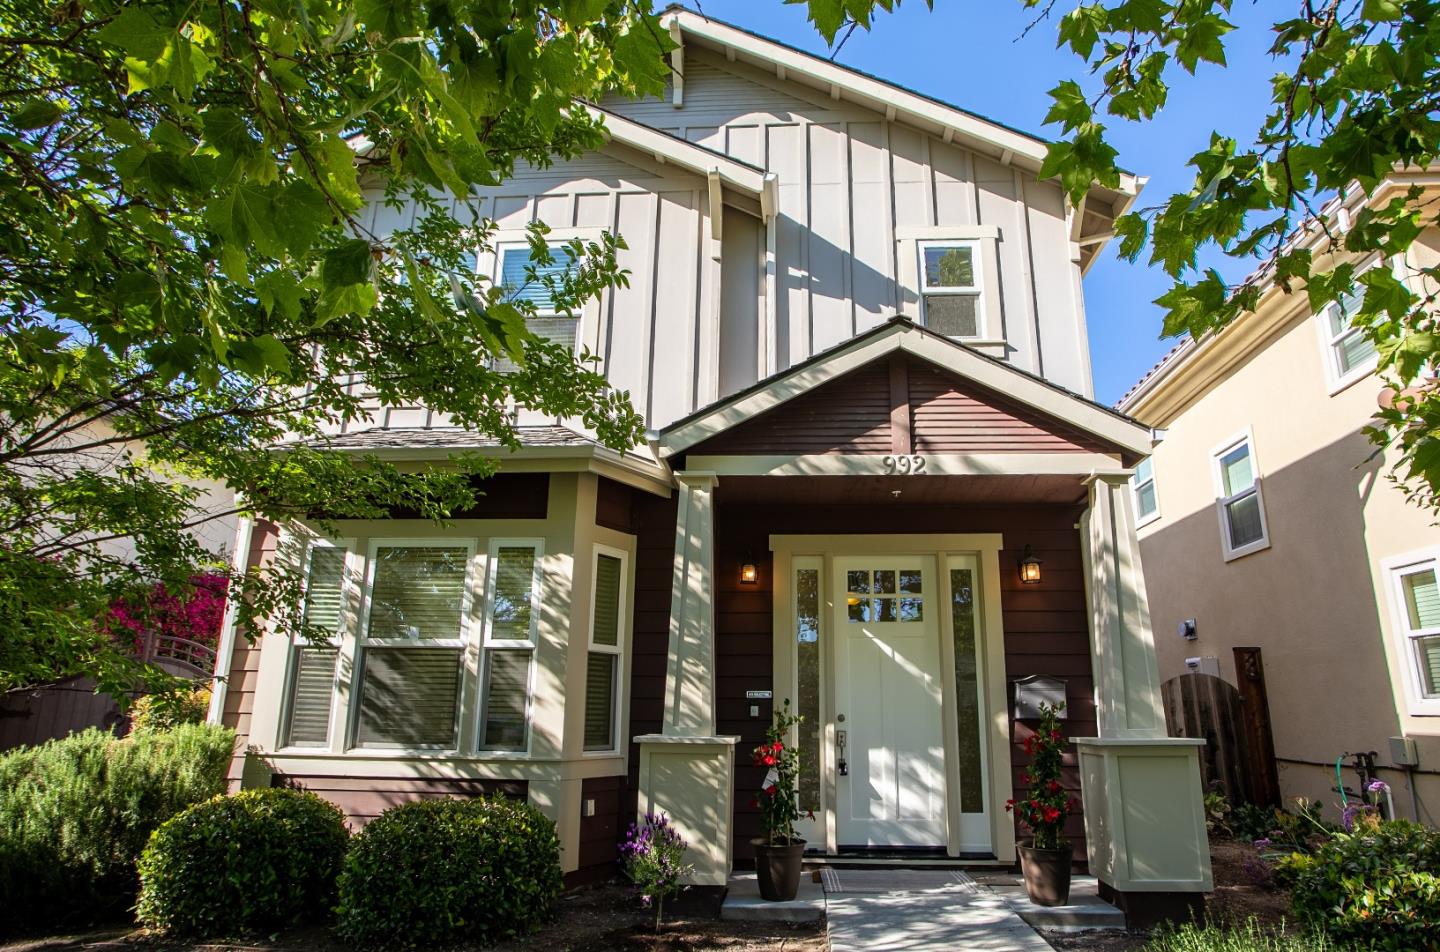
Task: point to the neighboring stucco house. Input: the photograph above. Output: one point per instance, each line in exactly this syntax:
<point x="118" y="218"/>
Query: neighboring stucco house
<point x="855" y="326"/>
<point x="1268" y="518"/>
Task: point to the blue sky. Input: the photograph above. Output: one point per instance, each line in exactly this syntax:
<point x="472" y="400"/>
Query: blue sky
<point x="969" y="52"/>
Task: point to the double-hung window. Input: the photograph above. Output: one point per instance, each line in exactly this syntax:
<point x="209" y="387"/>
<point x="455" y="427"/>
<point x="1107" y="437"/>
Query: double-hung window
<point x="512" y="620"/>
<point x="311" y="684"/>
<point x="951" y="288"/>
<point x="1147" y="504"/>
<point x="1242" y="510"/>
<point x="1416" y="599"/>
<point x="606" y="648"/>
<point x="1349" y="352"/>
<point x="523" y="279"/>
<point x="411" y="650"/>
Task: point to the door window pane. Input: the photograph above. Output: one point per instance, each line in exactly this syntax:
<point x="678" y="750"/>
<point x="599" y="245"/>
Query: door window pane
<point x="884" y="610"/>
<point x="417" y="592"/>
<point x="858" y="582"/>
<point x="911" y="609"/>
<point x="885" y="581"/>
<point x="507" y="695"/>
<point x="807" y="649"/>
<point x="967" y="687"/>
<point x="409" y="697"/>
<point x="910" y="582"/>
<point x="511" y="605"/>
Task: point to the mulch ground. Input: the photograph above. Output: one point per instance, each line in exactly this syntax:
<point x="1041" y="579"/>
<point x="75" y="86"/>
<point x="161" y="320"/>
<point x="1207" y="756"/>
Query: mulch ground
<point x="1237" y="898"/>
<point x="593" y="919"/>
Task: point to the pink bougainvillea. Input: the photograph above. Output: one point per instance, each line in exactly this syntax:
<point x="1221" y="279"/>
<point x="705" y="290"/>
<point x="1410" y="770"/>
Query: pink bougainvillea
<point x="196" y="616"/>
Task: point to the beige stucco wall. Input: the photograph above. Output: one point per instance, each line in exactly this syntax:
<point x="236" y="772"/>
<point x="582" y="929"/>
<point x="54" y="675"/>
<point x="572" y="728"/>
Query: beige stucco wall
<point x="1316" y="601"/>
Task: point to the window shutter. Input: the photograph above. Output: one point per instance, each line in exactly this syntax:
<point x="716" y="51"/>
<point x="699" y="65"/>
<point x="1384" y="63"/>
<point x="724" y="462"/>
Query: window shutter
<point x="310" y="694"/>
<point x="607" y="600"/>
<point x="417" y="593"/>
<point x="507" y="696"/>
<point x="409" y="697"/>
<point x="600" y="701"/>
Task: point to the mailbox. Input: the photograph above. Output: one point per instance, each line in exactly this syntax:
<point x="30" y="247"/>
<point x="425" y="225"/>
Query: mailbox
<point x="1035" y="690"/>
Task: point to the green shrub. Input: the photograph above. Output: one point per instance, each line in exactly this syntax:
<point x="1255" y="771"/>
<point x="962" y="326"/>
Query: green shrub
<point x="163" y="712"/>
<point x="1250" y="937"/>
<point x="438" y="872"/>
<point x="244" y="864"/>
<point x="1373" y="888"/>
<point x="75" y="814"/>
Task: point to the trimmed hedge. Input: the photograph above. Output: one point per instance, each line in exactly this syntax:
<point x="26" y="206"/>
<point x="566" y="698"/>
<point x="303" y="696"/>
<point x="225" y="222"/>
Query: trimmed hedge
<point x="440" y="872"/>
<point x="76" y="813"/>
<point x="1377" y="887"/>
<point x="254" y="862"/>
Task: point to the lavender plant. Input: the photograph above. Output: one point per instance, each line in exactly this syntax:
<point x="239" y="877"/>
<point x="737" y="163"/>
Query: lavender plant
<point x="653" y="857"/>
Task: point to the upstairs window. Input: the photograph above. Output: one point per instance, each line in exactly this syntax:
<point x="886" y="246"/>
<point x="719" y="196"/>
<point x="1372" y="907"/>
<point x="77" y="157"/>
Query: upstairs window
<point x="1147" y="504"/>
<point x="1242" y="510"/>
<point x="950" y="288"/>
<point x="1417" y="604"/>
<point x="523" y="280"/>
<point x="1349" y="353"/>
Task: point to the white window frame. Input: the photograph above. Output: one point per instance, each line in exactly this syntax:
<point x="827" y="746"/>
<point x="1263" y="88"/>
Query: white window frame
<point x="298" y="641"/>
<point x="622" y="639"/>
<point x="1395" y="570"/>
<point x="489" y="642"/>
<point x="1141" y="519"/>
<point x="1330" y="343"/>
<point x="503" y="246"/>
<point x="976" y="290"/>
<point x="1223" y="501"/>
<point x="363" y="640"/>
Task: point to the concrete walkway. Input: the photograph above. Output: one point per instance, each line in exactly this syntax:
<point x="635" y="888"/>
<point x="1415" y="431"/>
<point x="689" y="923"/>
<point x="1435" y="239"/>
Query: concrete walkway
<point x="891" y="910"/>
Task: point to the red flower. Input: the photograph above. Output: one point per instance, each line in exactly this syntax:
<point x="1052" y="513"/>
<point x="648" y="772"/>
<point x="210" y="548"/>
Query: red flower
<point x="1051" y="814"/>
<point x="771" y="790"/>
<point x="1056" y="736"/>
<point x="1024" y="777"/>
<point x="768" y="760"/>
<point x="1054" y="786"/>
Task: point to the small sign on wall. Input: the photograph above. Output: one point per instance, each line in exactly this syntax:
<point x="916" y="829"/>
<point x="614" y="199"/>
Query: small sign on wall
<point x="758" y="695"/>
<point x="1035" y="690"/>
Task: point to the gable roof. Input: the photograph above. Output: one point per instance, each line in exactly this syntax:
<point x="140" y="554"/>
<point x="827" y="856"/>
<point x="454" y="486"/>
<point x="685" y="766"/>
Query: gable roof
<point x="900" y="334"/>
<point x="1091" y="224"/>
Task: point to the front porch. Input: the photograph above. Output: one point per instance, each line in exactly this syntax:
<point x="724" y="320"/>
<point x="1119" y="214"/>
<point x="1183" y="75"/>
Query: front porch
<point x="859" y="556"/>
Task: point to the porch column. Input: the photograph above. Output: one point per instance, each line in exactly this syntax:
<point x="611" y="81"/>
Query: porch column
<point x="1144" y="814"/>
<point x="686" y="771"/>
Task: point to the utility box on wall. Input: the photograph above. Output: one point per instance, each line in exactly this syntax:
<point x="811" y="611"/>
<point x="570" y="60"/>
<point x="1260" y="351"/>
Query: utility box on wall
<point x="1035" y="690"/>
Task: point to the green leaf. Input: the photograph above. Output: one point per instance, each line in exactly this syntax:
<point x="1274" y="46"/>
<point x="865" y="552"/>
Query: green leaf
<point x="35" y="114"/>
<point x="348" y="264"/>
<point x="1070" y="106"/>
<point x="137" y="34"/>
<point x="1382" y="11"/>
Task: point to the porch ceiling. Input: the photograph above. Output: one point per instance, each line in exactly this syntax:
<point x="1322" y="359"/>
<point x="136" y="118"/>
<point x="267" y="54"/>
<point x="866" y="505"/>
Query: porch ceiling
<point x="913" y="490"/>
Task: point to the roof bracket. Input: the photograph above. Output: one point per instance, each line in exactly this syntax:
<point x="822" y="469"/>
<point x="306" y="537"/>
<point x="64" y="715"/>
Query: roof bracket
<point x="677" y="64"/>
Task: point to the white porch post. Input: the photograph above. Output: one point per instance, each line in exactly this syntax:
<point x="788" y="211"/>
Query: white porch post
<point x="1144" y="813"/>
<point x="686" y="771"/>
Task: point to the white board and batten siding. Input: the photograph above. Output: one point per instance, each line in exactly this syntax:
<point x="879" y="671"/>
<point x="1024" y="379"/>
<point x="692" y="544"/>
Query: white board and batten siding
<point x="848" y="179"/>
<point x="850" y="183"/>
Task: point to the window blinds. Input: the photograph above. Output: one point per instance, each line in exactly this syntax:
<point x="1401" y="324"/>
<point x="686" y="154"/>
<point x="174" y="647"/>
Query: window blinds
<point x="409" y="697"/>
<point x="311" y="689"/>
<point x="417" y="593"/>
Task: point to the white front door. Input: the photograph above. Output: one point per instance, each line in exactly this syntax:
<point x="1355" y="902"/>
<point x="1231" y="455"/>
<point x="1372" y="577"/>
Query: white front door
<point x="889" y="703"/>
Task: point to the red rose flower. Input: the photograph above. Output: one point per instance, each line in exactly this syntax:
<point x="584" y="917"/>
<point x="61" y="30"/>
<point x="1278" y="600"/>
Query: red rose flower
<point x="1053" y="786"/>
<point x="1051" y="815"/>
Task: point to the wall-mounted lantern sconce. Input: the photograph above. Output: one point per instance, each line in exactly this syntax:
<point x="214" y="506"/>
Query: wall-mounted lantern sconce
<point x="749" y="571"/>
<point x="1029" y="567"/>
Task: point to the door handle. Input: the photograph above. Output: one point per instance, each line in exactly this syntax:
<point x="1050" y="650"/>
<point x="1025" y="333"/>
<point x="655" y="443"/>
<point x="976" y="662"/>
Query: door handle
<point x="841" y="767"/>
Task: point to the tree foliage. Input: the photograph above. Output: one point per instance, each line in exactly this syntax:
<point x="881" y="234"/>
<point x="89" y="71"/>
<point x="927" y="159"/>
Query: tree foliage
<point x="187" y="276"/>
<point x="1356" y="98"/>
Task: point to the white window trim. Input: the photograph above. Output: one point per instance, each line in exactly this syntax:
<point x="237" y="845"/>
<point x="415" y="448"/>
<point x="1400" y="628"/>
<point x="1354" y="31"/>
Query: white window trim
<point x="587" y="317"/>
<point x="976" y="290"/>
<point x="1395" y="569"/>
<point x="298" y="641"/>
<point x="489" y="643"/>
<point x="1247" y="437"/>
<point x="622" y="639"/>
<point x="362" y="639"/>
<point x="501" y="247"/>
<point x="1338" y="380"/>
<point x="1135" y="483"/>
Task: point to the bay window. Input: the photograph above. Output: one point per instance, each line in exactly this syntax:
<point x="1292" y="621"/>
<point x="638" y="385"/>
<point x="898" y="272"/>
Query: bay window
<point x="510" y="638"/>
<point x="606" y="647"/>
<point x="311" y="680"/>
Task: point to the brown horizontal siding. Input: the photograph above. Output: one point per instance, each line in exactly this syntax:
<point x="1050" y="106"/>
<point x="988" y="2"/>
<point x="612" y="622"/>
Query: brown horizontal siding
<point x="245" y="658"/>
<point x="601" y="832"/>
<point x="848" y="415"/>
<point x="614" y="507"/>
<point x="951" y="415"/>
<point x="362" y="799"/>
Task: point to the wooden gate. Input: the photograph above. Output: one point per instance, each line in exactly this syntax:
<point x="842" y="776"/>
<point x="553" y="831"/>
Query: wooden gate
<point x="1208" y="708"/>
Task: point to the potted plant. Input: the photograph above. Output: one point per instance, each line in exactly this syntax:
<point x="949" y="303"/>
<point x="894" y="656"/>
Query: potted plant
<point x="1045" y="860"/>
<point x="778" y="854"/>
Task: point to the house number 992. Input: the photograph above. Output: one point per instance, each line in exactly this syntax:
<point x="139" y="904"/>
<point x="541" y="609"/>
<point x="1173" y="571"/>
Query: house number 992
<point x="904" y="465"/>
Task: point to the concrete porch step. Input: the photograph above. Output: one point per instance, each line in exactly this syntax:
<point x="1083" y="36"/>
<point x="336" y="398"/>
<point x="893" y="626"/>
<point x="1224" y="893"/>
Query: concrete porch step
<point x="1086" y="909"/>
<point x="742" y="901"/>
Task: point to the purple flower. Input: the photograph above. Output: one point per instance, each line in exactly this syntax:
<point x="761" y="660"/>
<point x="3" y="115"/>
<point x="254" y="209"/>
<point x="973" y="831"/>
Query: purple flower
<point x="1263" y="843"/>
<point x="1378" y="786"/>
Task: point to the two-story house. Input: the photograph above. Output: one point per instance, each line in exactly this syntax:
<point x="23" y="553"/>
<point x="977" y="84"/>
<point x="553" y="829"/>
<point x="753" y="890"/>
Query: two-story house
<point x="1269" y="520"/>
<point x="876" y="487"/>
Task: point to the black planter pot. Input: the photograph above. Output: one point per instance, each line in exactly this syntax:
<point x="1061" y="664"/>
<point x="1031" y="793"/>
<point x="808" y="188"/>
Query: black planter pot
<point x="1047" y="874"/>
<point x="778" y="869"/>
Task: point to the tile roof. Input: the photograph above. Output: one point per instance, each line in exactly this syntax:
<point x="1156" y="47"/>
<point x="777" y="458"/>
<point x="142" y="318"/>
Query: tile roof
<point x="407" y="438"/>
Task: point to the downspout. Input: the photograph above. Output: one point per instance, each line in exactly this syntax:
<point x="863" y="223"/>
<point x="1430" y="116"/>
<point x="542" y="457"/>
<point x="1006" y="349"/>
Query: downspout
<point x="226" y="649"/>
